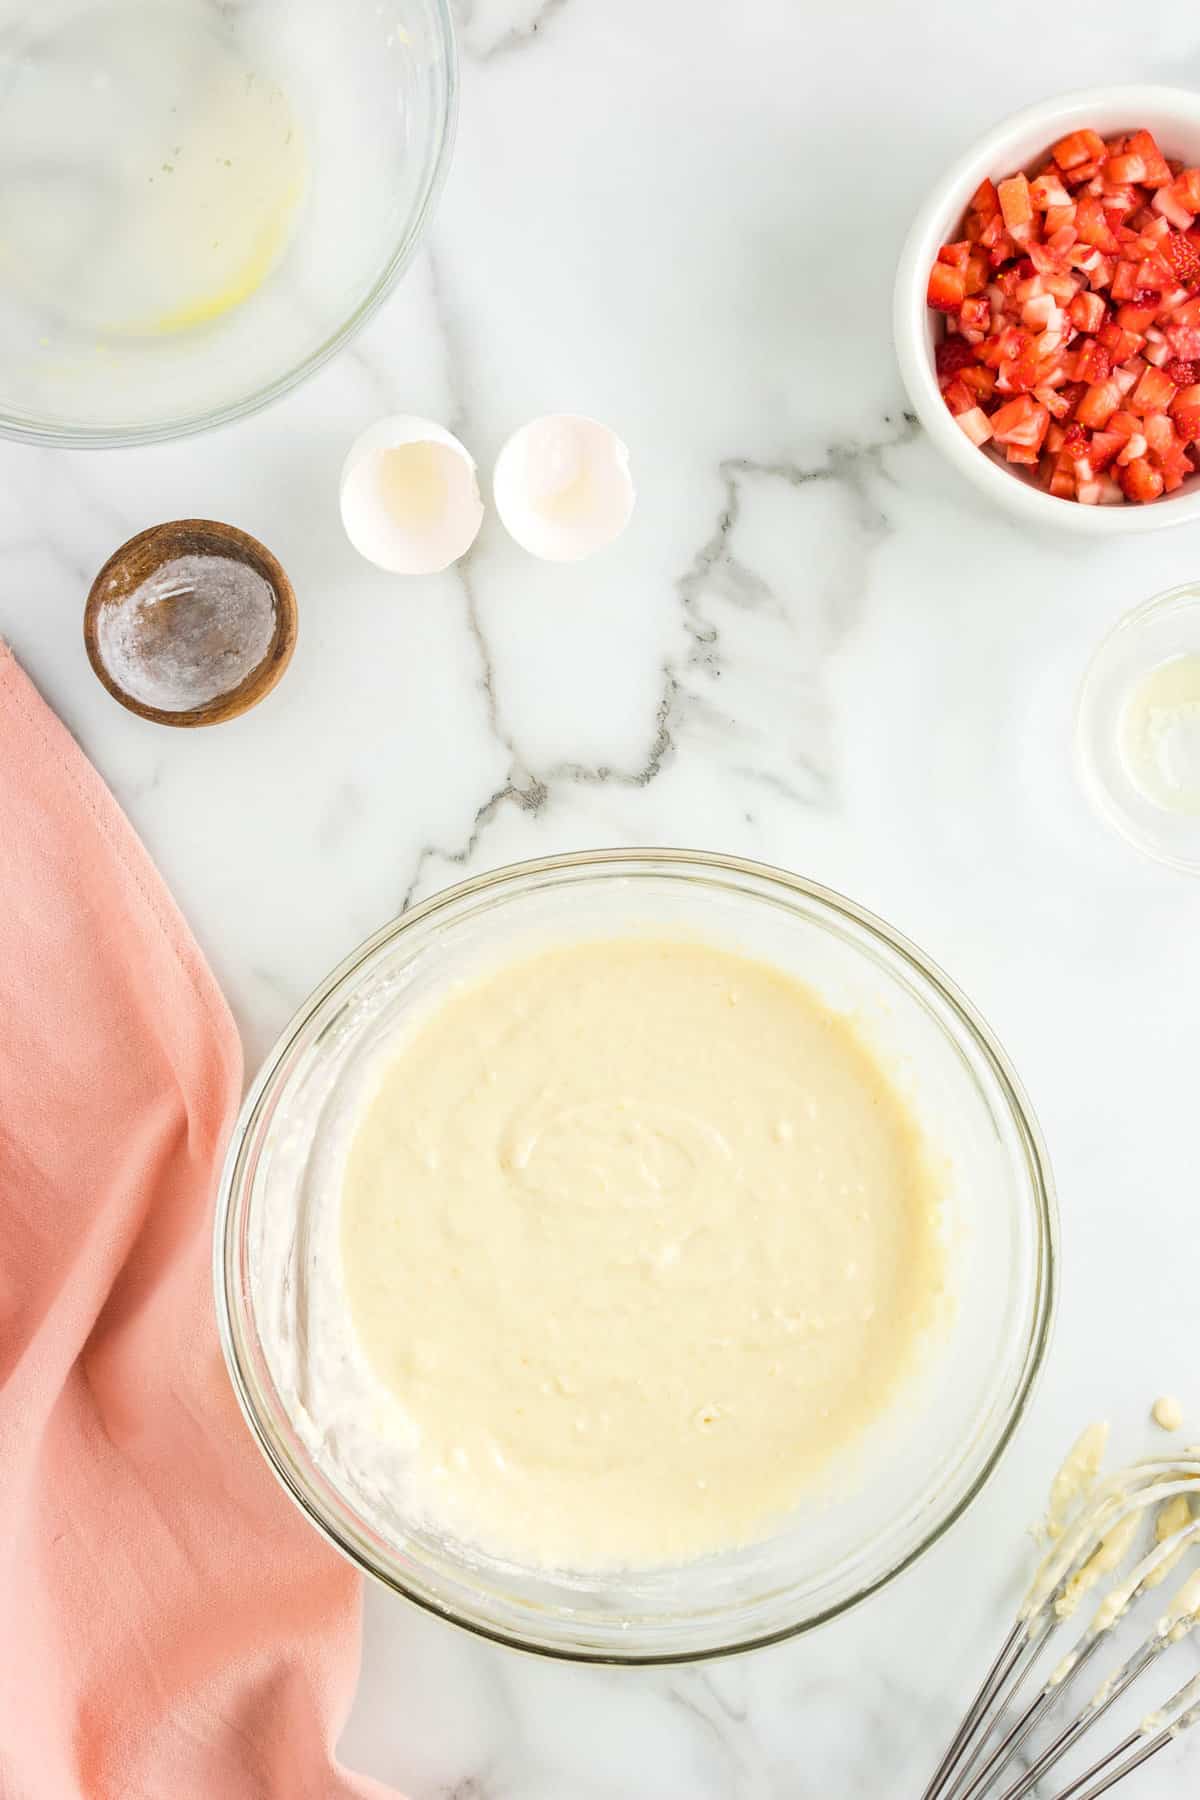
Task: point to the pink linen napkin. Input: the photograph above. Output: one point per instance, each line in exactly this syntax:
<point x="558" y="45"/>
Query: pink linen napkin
<point x="170" y="1628"/>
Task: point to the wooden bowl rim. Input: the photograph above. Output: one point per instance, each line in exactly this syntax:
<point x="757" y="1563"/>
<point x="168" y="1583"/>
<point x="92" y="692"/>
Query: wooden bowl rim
<point x="178" y="537"/>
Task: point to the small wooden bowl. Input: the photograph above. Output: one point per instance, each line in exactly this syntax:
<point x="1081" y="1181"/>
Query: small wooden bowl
<point x="139" y="559"/>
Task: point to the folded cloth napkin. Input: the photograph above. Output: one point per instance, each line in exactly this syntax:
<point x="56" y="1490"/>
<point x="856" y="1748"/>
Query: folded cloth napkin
<point x="170" y="1629"/>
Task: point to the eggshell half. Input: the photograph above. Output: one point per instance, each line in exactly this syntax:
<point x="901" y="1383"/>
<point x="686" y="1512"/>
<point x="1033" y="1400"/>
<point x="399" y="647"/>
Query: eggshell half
<point x="562" y="486"/>
<point x="410" y="496"/>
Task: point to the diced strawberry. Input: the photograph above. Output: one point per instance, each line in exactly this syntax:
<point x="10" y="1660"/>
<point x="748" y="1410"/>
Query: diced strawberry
<point x="1124" y="168"/>
<point x="1099" y="404"/>
<point x="1160" y="435"/>
<point x="1092" y="362"/>
<point x="1077" y="148"/>
<point x="985" y="199"/>
<point x="975" y="423"/>
<point x="1167" y="202"/>
<point x="1046" y="190"/>
<point x="1185" y="413"/>
<point x="1185" y="190"/>
<point x="1021" y="422"/>
<point x="1143" y="145"/>
<point x="1038" y="311"/>
<point x="951" y="355"/>
<point x="1141" y="481"/>
<point x="1105" y="445"/>
<point x="1183" y="255"/>
<point x="1087" y="312"/>
<point x="1015" y="204"/>
<point x="1092" y="224"/>
<point x="977" y="271"/>
<point x="1136" y="316"/>
<point x="1125" y="281"/>
<point x="1075" y="441"/>
<point x="1124" y="424"/>
<point x="1184" y="341"/>
<point x="1062" y="480"/>
<point x="1072" y="335"/>
<point x="947" y="288"/>
<point x="1059" y="218"/>
<point x="980" y="380"/>
<point x="1154" y="391"/>
<point x="959" y="397"/>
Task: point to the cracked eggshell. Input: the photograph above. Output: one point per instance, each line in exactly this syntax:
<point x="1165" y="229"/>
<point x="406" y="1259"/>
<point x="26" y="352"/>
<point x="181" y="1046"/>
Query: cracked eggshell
<point x="410" y="496"/>
<point x="562" y="486"/>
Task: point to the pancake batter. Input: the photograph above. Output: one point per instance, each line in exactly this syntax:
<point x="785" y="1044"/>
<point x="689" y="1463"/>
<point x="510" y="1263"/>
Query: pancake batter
<point x="639" y="1234"/>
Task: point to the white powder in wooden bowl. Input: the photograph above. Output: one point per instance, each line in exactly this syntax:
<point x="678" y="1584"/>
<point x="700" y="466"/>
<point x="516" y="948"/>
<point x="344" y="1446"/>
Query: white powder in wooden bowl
<point x="192" y="631"/>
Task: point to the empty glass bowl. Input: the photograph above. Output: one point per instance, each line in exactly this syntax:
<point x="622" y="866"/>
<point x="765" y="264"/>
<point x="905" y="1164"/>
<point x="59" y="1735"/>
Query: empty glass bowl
<point x="902" y="1487"/>
<point x="201" y="202"/>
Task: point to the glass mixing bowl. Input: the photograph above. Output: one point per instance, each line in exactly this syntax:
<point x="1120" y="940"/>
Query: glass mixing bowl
<point x="920" y="1467"/>
<point x="201" y="202"/>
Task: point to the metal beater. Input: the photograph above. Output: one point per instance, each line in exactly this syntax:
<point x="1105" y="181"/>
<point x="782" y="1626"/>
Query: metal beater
<point x="1094" y="1526"/>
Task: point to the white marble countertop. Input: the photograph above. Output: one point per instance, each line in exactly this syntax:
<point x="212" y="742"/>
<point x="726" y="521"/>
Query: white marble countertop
<point x="813" y="646"/>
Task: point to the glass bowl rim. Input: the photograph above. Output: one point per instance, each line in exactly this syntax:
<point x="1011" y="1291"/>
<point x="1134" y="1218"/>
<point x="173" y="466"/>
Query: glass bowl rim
<point x="652" y="860"/>
<point x="25" y="429"/>
<point x="1185" y="595"/>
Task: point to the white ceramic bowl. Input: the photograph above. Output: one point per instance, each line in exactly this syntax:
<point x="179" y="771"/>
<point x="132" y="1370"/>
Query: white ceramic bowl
<point x="1173" y="115"/>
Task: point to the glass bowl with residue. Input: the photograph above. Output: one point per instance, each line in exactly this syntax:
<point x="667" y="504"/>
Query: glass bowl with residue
<point x="876" y="1508"/>
<point x="202" y="202"/>
<point x="1137" y="728"/>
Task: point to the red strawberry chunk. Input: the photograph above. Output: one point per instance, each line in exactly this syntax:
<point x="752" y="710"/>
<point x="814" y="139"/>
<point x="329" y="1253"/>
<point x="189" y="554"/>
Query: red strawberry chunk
<point x="1167" y="202"/>
<point x="1093" y="226"/>
<point x="1099" y="404"/>
<point x="1183" y="374"/>
<point x="1183" y="256"/>
<point x="985" y="199"/>
<point x="1021" y="422"/>
<point x="1077" y="148"/>
<point x="1016" y="204"/>
<point x="1142" y="144"/>
<point x="1185" y="189"/>
<point x="1141" y="480"/>
<point x="1092" y="362"/>
<point x="955" y="255"/>
<point x="1154" y="391"/>
<point x="1184" y="341"/>
<point x="1046" y="190"/>
<point x="1087" y="312"/>
<point x="947" y="288"/>
<point x="951" y="355"/>
<point x="1185" y="413"/>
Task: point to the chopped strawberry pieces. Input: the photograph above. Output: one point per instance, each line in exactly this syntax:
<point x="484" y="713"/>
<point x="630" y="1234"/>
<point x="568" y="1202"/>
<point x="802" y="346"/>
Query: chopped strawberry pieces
<point x="1183" y="255"/>
<point x="1016" y="205"/>
<point x="947" y="288"/>
<point x="1071" y="297"/>
<point x="1078" y="147"/>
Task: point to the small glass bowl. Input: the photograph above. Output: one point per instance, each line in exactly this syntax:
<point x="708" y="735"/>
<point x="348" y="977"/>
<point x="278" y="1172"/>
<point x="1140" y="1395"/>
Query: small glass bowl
<point x="270" y="168"/>
<point x="918" y="1470"/>
<point x="1165" y="627"/>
